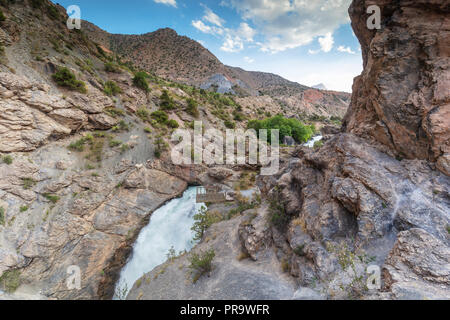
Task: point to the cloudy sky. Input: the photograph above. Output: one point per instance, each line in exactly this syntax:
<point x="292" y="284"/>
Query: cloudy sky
<point x="306" y="41"/>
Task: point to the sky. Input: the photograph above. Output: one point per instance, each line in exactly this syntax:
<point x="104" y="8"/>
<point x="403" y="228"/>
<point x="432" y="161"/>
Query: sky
<point x="306" y="41"/>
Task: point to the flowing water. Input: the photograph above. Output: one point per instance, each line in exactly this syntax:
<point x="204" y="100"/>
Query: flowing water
<point x="310" y="143"/>
<point x="169" y="226"/>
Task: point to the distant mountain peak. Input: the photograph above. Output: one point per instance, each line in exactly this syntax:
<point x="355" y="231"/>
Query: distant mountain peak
<point x="319" y="86"/>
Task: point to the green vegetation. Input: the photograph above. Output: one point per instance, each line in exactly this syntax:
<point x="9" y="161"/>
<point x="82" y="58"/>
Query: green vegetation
<point x="160" y="116"/>
<point x="2" y="17"/>
<point x="111" y="88"/>
<point x="229" y="124"/>
<point x="201" y="263"/>
<point x="65" y="78"/>
<point x="112" y="67"/>
<point x="167" y="103"/>
<point x="287" y="127"/>
<point x="140" y="81"/>
<point x="23" y="208"/>
<point x="37" y="3"/>
<point x="192" y="108"/>
<point x="114" y="143"/>
<point x="79" y="144"/>
<point x="51" y="197"/>
<point x="114" y="112"/>
<point x="160" y="147"/>
<point x="28" y="183"/>
<point x="7" y="159"/>
<point x="2" y="216"/>
<point x="203" y="220"/>
<point x="300" y="250"/>
<point x="144" y="114"/>
<point x="173" y="124"/>
<point x="278" y="215"/>
<point x="53" y="12"/>
<point x="10" y="281"/>
<point x="318" y="144"/>
<point x="448" y="229"/>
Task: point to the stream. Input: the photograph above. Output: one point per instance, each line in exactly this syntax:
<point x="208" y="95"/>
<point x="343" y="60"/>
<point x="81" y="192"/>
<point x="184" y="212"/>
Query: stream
<point x="169" y="226"/>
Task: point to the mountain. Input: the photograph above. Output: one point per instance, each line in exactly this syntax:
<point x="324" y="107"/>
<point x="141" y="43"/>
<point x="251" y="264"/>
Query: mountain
<point x="319" y="86"/>
<point x="179" y="58"/>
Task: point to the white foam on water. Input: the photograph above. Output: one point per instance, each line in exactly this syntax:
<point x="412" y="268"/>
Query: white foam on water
<point x="169" y="226"/>
<point x="310" y="143"/>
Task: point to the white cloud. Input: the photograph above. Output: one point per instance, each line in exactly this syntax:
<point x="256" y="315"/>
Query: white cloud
<point x="346" y="49"/>
<point x="234" y="39"/>
<point x="232" y="44"/>
<point x="287" y="24"/>
<point x="172" y="3"/>
<point x="201" y="26"/>
<point x="246" y="32"/>
<point x="327" y="42"/>
<point x="213" y="18"/>
<point x="249" y="60"/>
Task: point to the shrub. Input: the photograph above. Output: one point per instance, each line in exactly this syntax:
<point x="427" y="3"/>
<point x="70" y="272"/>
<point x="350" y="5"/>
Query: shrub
<point x="23" y="208"/>
<point x="192" y="108"/>
<point x="53" y="12"/>
<point x="51" y="197"/>
<point x="79" y="144"/>
<point x="201" y="263"/>
<point x="2" y="216"/>
<point x="10" y="280"/>
<point x="7" y="160"/>
<point x="140" y="81"/>
<point x="2" y="16"/>
<point x="160" y="146"/>
<point x="160" y="116"/>
<point x="28" y="183"/>
<point x="111" y="88"/>
<point x="65" y="78"/>
<point x="143" y="114"/>
<point x="112" y="67"/>
<point x="230" y="124"/>
<point x="203" y="220"/>
<point x="318" y="144"/>
<point x="167" y="102"/>
<point x="173" y="124"/>
<point x="287" y="127"/>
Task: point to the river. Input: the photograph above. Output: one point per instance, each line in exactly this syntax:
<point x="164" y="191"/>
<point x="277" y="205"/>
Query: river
<point x="169" y="226"/>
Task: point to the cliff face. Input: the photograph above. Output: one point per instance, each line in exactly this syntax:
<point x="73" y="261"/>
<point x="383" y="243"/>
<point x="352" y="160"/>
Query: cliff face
<point x="402" y="98"/>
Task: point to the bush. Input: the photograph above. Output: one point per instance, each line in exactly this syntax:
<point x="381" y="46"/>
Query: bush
<point x="51" y="197"/>
<point x="160" y="147"/>
<point x="160" y="116"/>
<point x="10" y="280"/>
<point x="230" y="124"/>
<point x="287" y="127"/>
<point x="140" y="81"/>
<point x="2" y="16"/>
<point x="173" y="124"/>
<point x="192" y="108"/>
<point x="111" y="88"/>
<point x="65" y="78"/>
<point x="2" y="216"/>
<point x="7" y="160"/>
<point x="112" y="67"/>
<point x="201" y="263"/>
<point x="167" y="102"/>
<point x="53" y="12"/>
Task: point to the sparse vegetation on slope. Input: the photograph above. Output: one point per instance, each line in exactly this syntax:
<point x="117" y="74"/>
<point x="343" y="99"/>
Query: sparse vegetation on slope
<point x="65" y="78"/>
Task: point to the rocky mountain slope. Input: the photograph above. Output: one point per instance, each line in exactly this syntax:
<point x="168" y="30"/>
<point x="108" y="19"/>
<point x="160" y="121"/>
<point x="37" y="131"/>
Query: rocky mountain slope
<point x="376" y="194"/>
<point x="181" y="59"/>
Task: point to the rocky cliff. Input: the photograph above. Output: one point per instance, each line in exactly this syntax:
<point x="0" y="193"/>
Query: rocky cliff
<point x="402" y="99"/>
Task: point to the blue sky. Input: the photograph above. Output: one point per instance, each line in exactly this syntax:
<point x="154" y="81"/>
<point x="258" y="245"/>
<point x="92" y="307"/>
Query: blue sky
<point x="309" y="42"/>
